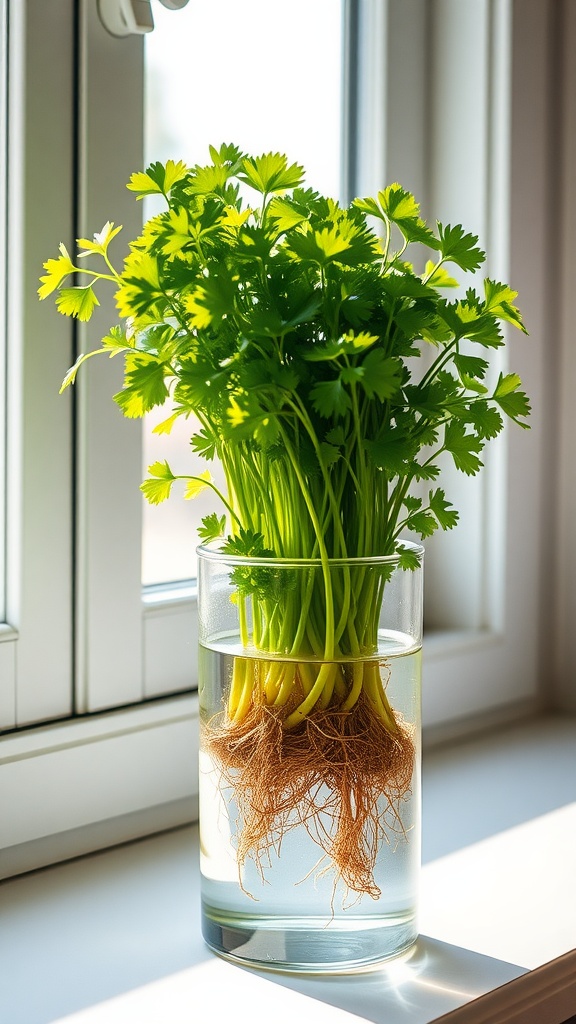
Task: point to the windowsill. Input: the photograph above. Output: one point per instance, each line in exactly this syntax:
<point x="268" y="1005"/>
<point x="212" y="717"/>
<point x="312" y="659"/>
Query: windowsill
<point x="497" y="898"/>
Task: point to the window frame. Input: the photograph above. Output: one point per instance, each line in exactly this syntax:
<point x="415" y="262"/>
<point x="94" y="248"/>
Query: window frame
<point x="37" y="632"/>
<point x="42" y="766"/>
<point x="497" y="651"/>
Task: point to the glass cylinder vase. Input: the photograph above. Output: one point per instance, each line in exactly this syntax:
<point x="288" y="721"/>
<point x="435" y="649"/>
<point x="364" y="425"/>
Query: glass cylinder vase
<point x="309" y="685"/>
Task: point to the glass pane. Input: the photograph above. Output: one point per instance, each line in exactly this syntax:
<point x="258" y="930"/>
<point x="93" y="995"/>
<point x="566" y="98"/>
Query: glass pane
<point x="266" y="76"/>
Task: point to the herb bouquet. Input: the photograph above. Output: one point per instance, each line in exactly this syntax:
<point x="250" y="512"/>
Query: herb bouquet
<point x="292" y="328"/>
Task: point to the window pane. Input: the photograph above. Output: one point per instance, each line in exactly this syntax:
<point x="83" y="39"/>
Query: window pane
<point x="266" y="77"/>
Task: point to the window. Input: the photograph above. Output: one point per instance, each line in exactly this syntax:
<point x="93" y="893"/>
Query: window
<point x="239" y="87"/>
<point x="82" y="656"/>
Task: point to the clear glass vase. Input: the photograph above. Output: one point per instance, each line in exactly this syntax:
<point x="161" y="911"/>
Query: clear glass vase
<point x="309" y="686"/>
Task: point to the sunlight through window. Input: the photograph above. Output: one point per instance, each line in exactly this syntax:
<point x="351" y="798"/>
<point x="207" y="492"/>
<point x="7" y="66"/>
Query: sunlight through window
<point x="270" y="81"/>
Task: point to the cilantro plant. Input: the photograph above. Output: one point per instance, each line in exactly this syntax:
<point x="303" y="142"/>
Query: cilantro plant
<point x="293" y="328"/>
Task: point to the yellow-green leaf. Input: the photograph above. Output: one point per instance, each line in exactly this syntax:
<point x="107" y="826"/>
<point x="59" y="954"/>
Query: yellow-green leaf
<point x="57" y="271"/>
<point x="156" y="491"/>
<point x="158" y="178"/>
<point x="99" y="244"/>
<point x="270" y="173"/>
<point x="438" y="276"/>
<point x="197" y="484"/>
<point x="144" y="385"/>
<point x="236" y="414"/>
<point x="178" y="235"/>
<point x="77" y="302"/>
<point x="165" y="427"/>
<point x="70" y="377"/>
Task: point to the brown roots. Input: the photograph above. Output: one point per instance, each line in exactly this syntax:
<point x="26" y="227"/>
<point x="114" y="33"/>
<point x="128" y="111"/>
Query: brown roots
<point x="342" y="774"/>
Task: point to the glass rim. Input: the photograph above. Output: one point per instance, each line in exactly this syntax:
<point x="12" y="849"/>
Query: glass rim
<point x="210" y="552"/>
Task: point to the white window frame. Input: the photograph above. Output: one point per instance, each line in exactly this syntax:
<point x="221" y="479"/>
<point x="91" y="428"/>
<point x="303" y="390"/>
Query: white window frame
<point x="485" y="667"/>
<point x="114" y="772"/>
<point x="81" y="782"/>
<point x="36" y="679"/>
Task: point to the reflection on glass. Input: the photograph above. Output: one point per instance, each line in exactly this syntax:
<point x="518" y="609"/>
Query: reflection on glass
<point x="266" y="76"/>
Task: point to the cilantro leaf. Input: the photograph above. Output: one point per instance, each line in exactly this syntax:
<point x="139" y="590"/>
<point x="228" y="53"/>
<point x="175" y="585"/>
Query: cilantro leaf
<point x="513" y="402"/>
<point x="204" y="445"/>
<point x="285" y="214"/>
<point x="459" y="247"/>
<point x="437" y="276"/>
<point x="158" y="179"/>
<point x="338" y="243"/>
<point x="247" y="544"/>
<point x="463" y="447"/>
<point x="57" y="271"/>
<point x="228" y="154"/>
<point x="351" y="343"/>
<point x="158" y="486"/>
<point x="117" y="340"/>
<point x="407" y="558"/>
<point x="382" y="374"/>
<point x="499" y="300"/>
<point x="330" y="398"/>
<point x="486" y="420"/>
<point x="212" y="528"/>
<point x="197" y="484"/>
<point x="402" y="209"/>
<point x="422" y="523"/>
<point x="411" y="503"/>
<point x="470" y="366"/>
<point x="165" y="426"/>
<point x="144" y="385"/>
<point x="393" y="453"/>
<point x="444" y="511"/>
<point x="77" y="302"/>
<point x="99" y="244"/>
<point x="270" y="173"/>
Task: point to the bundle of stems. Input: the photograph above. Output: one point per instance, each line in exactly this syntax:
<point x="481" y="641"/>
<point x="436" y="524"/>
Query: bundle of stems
<point x="292" y="329"/>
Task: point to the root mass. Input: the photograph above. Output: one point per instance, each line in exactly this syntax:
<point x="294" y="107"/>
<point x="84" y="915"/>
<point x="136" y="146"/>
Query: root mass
<point x="342" y="774"/>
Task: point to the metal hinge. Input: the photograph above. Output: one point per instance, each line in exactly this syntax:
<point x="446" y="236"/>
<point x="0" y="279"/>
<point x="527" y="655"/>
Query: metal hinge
<point x="131" y="17"/>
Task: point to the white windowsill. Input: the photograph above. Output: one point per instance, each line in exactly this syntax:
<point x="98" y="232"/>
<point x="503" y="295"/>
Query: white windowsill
<point x="498" y="897"/>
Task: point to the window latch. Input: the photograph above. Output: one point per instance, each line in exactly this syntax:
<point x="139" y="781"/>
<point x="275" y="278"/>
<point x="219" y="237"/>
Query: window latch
<point x="131" y="17"/>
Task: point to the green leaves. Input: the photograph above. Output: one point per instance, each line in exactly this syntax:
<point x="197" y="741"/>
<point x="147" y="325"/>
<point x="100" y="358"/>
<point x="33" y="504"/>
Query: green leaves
<point x="212" y="528"/>
<point x="426" y="520"/>
<point x="463" y="447"/>
<point x="349" y="344"/>
<point x="381" y="375"/>
<point x="56" y="271"/>
<point x="293" y="329"/>
<point x="270" y="173"/>
<point x="459" y="247"/>
<point x="77" y="302"/>
<point x="341" y="240"/>
<point x="499" y="300"/>
<point x="401" y="208"/>
<point x="446" y="515"/>
<point x="99" y="244"/>
<point x="330" y="398"/>
<point x="397" y="206"/>
<point x="158" y="487"/>
<point x="159" y="179"/>
<point x="144" y="385"/>
<point x="513" y="402"/>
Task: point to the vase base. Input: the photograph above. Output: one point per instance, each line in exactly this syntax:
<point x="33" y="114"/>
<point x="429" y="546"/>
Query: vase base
<point x="307" y="947"/>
